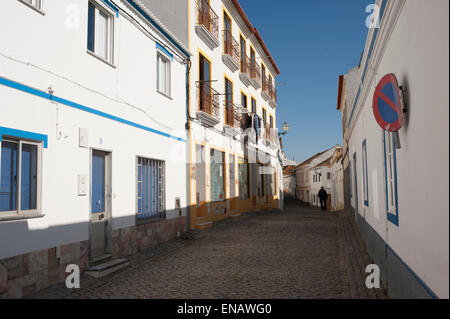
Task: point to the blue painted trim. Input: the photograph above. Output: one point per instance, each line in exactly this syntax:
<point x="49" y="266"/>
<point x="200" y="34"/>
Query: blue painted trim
<point x="160" y="47"/>
<point x="356" y="183"/>
<point x="420" y="281"/>
<point x="154" y="24"/>
<point x="23" y="134"/>
<point x="365" y="173"/>
<point x="369" y="55"/>
<point x="393" y="218"/>
<point x="44" y="95"/>
<point x="113" y="7"/>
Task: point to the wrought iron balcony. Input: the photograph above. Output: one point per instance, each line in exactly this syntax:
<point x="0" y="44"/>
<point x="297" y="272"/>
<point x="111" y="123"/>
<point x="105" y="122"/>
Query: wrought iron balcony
<point x="269" y="92"/>
<point x="245" y="73"/>
<point x="208" y="104"/>
<point x="207" y="26"/>
<point x="255" y="74"/>
<point x="233" y="118"/>
<point x="230" y="54"/>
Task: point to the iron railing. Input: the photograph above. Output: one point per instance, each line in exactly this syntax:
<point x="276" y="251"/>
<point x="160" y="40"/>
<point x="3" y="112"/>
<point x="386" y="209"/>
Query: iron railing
<point x="208" y="18"/>
<point x="269" y="89"/>
<point x="245" y="64"/>
<point x="230" y="46"/>
<point x="232" y="114"/>
<point x="208" y="99"/>
<point x="255" y="71"/>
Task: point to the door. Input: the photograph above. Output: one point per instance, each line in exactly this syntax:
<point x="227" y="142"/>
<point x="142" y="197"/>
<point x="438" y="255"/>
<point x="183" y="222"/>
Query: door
<point x="227" y="35"/>
<point x="205" y="98"/>
<point x="355" y="182"/>
<point x="232" y="171"/>
<point x="100" y="203"/>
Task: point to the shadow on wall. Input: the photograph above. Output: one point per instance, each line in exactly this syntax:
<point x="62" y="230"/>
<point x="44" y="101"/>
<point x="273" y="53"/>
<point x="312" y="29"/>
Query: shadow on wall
<point x="39" y="259"/>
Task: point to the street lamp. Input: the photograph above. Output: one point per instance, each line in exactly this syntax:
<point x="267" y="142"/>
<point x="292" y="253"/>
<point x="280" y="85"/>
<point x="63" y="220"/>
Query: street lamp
<point x="285" y="129"/>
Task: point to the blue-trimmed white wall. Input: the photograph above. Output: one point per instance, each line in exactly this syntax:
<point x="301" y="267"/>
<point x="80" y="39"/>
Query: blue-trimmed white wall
<point x="413" y="44"/>
<point x="46" y="42"/>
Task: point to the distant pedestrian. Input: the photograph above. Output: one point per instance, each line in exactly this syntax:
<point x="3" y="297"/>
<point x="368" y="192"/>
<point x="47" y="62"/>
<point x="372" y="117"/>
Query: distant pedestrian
<point x="323" y="196"/>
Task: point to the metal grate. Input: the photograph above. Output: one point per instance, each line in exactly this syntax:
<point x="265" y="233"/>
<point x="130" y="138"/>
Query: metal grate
<point x="151" y="189"/>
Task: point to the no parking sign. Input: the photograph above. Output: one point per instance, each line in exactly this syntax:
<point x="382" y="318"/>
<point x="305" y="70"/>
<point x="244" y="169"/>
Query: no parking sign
<point x="387" y="105"/>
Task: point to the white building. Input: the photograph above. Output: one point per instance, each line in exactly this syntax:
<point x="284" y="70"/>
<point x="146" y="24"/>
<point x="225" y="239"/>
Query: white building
<point x="398" y="190"/>
<point x="92" y="131"/>
<point x="321" y="170"/>
<point x="232" y="87"/>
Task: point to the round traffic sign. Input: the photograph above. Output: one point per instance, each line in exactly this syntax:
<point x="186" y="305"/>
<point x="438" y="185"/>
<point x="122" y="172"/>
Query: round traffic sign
<point x="387" y="104"/>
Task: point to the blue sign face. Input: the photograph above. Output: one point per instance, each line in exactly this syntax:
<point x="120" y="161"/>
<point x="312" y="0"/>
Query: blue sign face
<point x="386" y="104"/>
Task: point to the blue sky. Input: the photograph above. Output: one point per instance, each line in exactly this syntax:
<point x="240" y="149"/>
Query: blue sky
<point x="312" y="42"/>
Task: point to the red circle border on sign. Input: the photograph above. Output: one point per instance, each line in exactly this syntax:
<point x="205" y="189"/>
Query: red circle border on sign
<point x="390" y="127"/>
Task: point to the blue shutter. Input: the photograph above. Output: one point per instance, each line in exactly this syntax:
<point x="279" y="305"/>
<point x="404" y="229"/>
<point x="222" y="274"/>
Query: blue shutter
<point x="8" y="176"/>
<point x="91" y="28"/>
<point x="28" y="177"/>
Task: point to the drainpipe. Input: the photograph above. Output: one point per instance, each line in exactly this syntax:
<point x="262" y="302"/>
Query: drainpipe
<point x="188" y="130"/>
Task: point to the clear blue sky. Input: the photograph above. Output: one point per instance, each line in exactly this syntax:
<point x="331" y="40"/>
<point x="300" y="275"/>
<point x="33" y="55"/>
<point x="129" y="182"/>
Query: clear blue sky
<point x="312" y="42"/>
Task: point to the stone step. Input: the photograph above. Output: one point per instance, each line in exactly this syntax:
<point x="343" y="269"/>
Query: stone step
<point x="235" y="215"/>
<point x="101" y="258"/>
<point x="203" y="226"/>
<point x="106" y="268"/>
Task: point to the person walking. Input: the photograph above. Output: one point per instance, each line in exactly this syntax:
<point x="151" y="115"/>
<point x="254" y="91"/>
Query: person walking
<point x="323" y="196"/>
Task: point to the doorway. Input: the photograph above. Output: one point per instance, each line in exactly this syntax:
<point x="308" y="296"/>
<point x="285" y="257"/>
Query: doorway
<point x="100" y="225"/>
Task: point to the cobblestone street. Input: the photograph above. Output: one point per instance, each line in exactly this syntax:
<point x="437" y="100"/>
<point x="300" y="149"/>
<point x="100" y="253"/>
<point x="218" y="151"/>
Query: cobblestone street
<point x="297" y="253"/>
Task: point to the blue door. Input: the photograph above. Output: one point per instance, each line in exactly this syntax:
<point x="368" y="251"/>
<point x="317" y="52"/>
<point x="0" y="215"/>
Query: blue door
<point x="98" y="182"/>
<point x="100" y="204"/>
<point x="356" y="184"/>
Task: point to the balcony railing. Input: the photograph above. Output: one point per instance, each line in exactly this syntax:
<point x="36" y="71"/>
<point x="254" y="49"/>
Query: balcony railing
<point x="268" y="88"/>
<point x="232" y="115"/>
<point x="246" y="65"/>
<point x="230" y="46"/>
<point x="208" y="18"/>
<point x="255" y="71"/>
<point x="208" y="99"/>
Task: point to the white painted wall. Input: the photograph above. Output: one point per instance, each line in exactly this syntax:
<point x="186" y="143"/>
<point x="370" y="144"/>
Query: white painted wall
<point x="57" y="56"/>
<point x="417" y="53"/>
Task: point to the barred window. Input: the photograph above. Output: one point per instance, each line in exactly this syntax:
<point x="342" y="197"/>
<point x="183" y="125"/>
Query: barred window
<point x="151" y="187"/>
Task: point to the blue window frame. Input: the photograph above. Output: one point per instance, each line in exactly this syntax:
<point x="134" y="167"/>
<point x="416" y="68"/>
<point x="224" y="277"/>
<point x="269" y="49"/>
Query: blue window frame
<point x="365" y="173"/>
<point x="390" y="170"/>
<point x="355" y="175"/>
<point x="19" y="177"/>
<point x="350" y="190"/>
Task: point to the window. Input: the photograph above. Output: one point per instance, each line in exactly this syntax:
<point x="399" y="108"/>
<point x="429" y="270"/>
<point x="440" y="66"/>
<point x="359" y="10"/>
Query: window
<point x="328" y="176"/>
<point x="20" y="178"/>
<point x="365" y="174"/>
<point x="391" y="177"/>
<point x="151" y="189"/>
<point x="229" y="115"/>
<point x="264" y="115"/>
<point x="350" y="190"/>
<point x="271" y="121"/>
<point x="36" y="4"/>
<point x="217" y="169"/>
<point x="100" y="32"/>
<point x="244" y="186"/>
<point x="253" y="106"/>
<point x="263" y="75"/>
<point x="243" y="100"/>
<point x="205" y="94"/>
<point x="243" y="48"/>
<point x="163" y="74"/>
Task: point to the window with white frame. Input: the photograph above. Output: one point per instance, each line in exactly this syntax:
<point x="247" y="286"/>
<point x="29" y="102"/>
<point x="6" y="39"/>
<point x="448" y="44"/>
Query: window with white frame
<point x="151" y="189"/>
<point x="391" y="177"/>
<point x="163" y="74"/>
<point x="19" y="178"/>
<point x="365" y="173"/>
<point x="100" y="36"/>
<point x="37" y="4"/>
